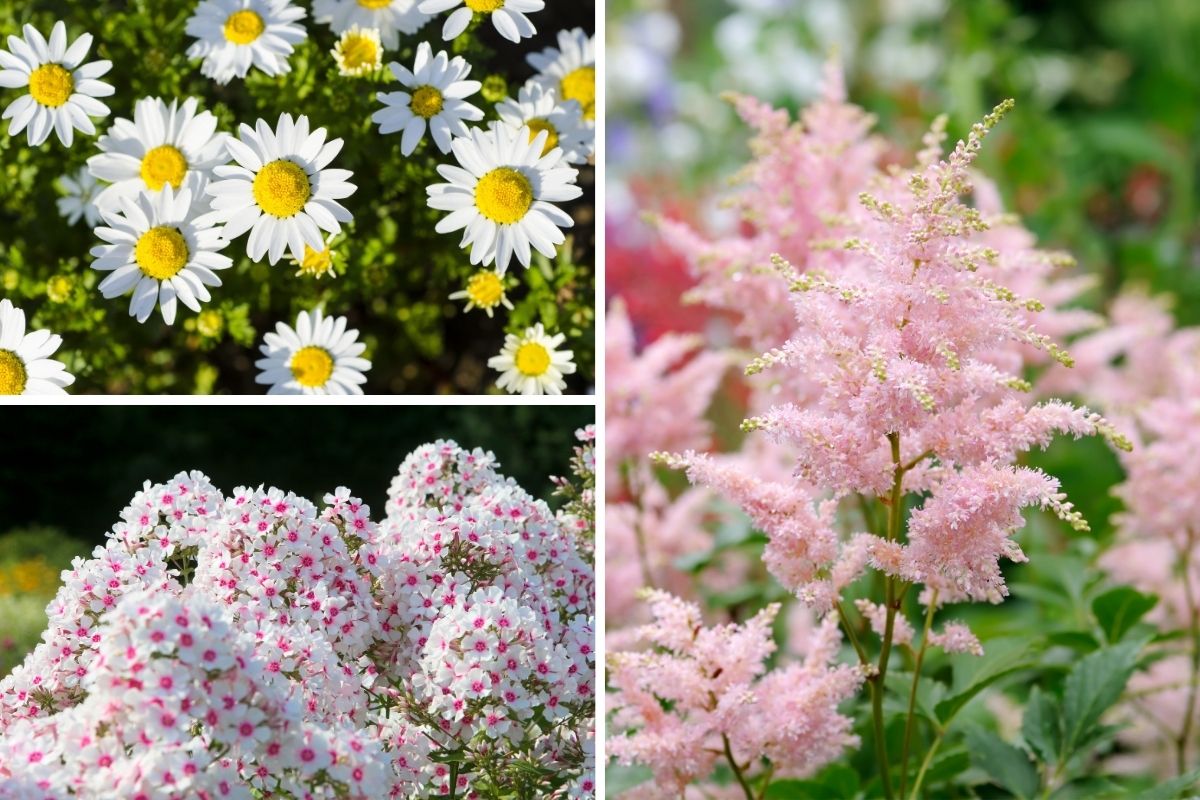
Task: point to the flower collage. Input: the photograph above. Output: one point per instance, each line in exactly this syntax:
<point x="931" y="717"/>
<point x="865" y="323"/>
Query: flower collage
<point x="638" y="400"/>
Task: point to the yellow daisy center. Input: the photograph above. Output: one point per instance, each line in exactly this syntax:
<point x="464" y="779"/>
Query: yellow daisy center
<point x="51" y="85"/>
<point x="164" y="164"/>
<point x="504" y="195"/>
<point x="161" y="252"/>
<point x="485" y="6"/>
<point x="426" y="102"/>
<point x="12" y="373"/>
<point x="374" y="3"/>
<point x="312" y="366"/>
<point x="580" y="85"/>
<point x="540" y="124"/>
<point x="359" y="51"/>
<point x="281" y="188"/>
<point x="532" y="359"/>
<point x="485" y="289"/>
<point x="317" y="262"/>
<point x="243" y="27"/>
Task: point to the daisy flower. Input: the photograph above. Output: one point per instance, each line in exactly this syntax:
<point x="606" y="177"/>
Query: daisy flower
<point x="541" y="109"/>
<point x="62" y="92"/>
<point x="358" y="52"/>
<point x="436" y="99"/>
<point x="529" y="364"/>
<point x="508" y="16"/>
<point x="318" y="356"/>
<point x="485" y="290"/>
<point x="570" y="69"/>
<point x="503" y="193"/>
<point x="317" y="263"/>
<point x="25" y="363"/>
<point x="234" y="35"/>
<point x="390" y="17"/>
<point x="160" y="147"/>
<point x="79" y="202"/>
<point x="164" y="247"/>
<point x="280" y="189"/>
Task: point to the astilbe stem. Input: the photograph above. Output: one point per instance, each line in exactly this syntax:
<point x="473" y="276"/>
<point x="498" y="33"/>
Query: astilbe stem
<point x="737" y="770"/>
<point x="1185" y="735"/>
<point x="912" y="695"/>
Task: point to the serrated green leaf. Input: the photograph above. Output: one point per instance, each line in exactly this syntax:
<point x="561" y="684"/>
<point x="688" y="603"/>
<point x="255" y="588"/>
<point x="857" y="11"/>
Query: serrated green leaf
<point x="1092" y="686"/>
<point x="1041" y="726"/>
<point x="1007" y="765"/>
<point x="973" y="674"/>
<point x="1119" y="609"/>
<point x="1169" y="790"/>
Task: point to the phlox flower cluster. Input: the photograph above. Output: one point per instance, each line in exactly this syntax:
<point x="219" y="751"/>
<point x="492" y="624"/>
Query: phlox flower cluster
<point x="250" y="644"/>
<point x="278" y="183"/>
<point x="706" y="693"/>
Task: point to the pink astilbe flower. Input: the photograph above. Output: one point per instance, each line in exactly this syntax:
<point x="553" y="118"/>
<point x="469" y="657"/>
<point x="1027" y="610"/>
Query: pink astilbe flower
<point x="1149" y="373"/>
<point x="715" y="683"/>
<point x="656" y="398"/>
<point x="956" y="638"/>
<point x="803" y="179"/>
<point x="913" y="346"/>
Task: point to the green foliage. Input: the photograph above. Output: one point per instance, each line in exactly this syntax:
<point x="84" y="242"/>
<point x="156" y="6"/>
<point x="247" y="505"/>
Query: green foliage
<point x="396" y="273"/>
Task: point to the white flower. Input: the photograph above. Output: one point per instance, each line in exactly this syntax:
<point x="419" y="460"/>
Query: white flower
<point x="389" y="17"/>
<point x="164" y="247"/>
<point x="358" y="52"/>
<point x="541" y="109"/>
<point x="81" y="189"/>
<point x="529" y="364"/>
<point x="507" y="15"/>
<point x="25" y="366"/>
<point x="318" y="356"/>
<point x="62" y="93"/>
<point x="485" y="290"/>
<point x="161" y="146"/>
<point x="280" y="189"/>
<point x="570" y="69"/>
<point x="436" y="99"/>
<point x="234" y="35"/>
<point x="502" y="196"/>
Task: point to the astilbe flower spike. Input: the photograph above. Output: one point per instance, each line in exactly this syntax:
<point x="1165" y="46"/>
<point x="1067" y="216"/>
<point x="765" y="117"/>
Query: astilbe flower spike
<point x="900" y="347"/>
<point x="897" y="324"/>
<point x="705" y="693"/>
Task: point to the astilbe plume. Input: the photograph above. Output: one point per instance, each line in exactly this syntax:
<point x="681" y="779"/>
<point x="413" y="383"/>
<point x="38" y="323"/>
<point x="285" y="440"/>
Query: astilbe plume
<point x="656" y="398"/>
<point x="913" y="347"/>
<point x="705" y="693"/>
<point x="1145" y="371"/>
<point x="252" y="645"/>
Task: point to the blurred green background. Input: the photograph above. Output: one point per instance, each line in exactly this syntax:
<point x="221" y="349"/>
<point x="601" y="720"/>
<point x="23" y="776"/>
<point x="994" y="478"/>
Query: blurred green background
<point x="1099" y="156"/>
<point x="67" y="471"/>
<point x="396" y="273"/>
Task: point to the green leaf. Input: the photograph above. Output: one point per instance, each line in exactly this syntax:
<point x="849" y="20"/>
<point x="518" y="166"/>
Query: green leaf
<point x="1169" y="790"/>
<point x="1041" y="726"/>
<point x="972" y="674"/>
<point x="1094" y="684"/>
<point x="1119" y="609"/>
<point x="1005" y="764"/>
<point x="835" y="782"/>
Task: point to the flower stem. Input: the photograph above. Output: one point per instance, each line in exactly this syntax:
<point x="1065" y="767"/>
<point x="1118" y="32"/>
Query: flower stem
<point x="912" y="695"/>
<point x="1185" y="735"/>
<point x="737" y="771"/>
<point x="933" y="748"/>
<point x="895" y="521"/>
